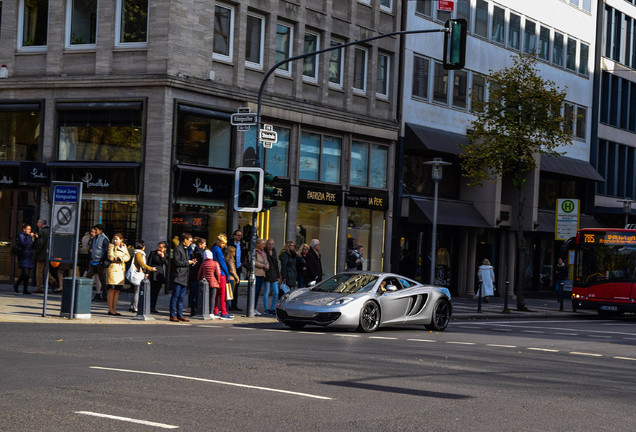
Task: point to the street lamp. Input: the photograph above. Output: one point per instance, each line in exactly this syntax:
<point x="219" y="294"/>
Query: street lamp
<point x="627" y="209"/>
<point x="436" y="164"/>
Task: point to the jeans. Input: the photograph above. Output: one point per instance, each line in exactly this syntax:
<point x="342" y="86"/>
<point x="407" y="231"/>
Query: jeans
<point x="274" y="288"/>
<point x="176" y="301"/>
<point x="259" y="284"/>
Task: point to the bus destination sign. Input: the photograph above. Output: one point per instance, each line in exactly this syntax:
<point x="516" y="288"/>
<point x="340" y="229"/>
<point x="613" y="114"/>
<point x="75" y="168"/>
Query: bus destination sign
<point x="609" y="238"/>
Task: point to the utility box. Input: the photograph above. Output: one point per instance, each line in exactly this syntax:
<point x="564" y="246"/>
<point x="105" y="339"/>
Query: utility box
<point x="83" y="293"/>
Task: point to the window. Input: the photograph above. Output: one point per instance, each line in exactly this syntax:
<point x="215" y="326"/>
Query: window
<point x="379" y="163"/>
<point x="568" y="114"/>
<point x="581" y="122"/>
<point x="283" y="47"/>
<point x="360" y="70"/>
<point x="460" y="88"/>
<point x="557" y="49"/>
<point x="310" y="64"/>
<point x="570" y="59"/>
<point x="587" y="5"/>
<point x="20" y="133"/>
<point x="223" y="32"/>
<point x="481" y="18"/>
<point x="498" y="22"/>
<point x="254" y="41"/>
<point x="544" y="43"/>
<point x="478" y="91"/>
<point x="420" y="77"/>
<point x="335" y="65"/>
<point x="463" y="10"/>
<point x="204" y="137"/>
<point x="530" y="37"/>
<point x="320" y="157"/>
<point x="382" y="85"/>
<point x="440" y="84"/>
<point x="443" y="15"/>
<point x="583" y="59"/>
<point x="368" y="165"/>
<point x="424" y="7"/>
<point x="34" y="23"/>
<point x="132" y="22"/>
<point x="359" y="169"/>
<point x="514" y="32"/>
<point x="275" y="159"/>
<point x="386" y="4"/>
<point x="81" y="22"/>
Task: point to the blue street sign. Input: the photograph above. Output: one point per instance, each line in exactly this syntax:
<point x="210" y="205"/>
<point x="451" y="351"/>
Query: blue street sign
<point x="66" y="193"/>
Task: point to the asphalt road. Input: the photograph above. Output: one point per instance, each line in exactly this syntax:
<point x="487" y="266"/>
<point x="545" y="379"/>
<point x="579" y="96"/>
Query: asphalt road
<point x="547" y="375"/>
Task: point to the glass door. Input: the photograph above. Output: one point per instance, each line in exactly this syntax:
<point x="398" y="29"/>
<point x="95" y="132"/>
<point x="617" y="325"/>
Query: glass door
<point x="19" y="206"/>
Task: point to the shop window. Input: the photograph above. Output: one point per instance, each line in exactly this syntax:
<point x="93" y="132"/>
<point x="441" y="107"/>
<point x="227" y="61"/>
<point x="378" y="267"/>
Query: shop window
<point x="460" y="84"/>
<point x="201" y="218"/>
<point x="81" y="22"/>
<point x="360" y="70"/>
<point x="132" y="22"/>
<point x="318" y="221"/>
<point x="498" y="23"/>
<point x="481" y="18"/>
<point x="335" y="65"/>
<point x="420" y="77"/>
<point x="359" y="163"/>
<point x="378" y="166"/>
<point x="271" y="225"/>
<point x="223" y="32"/>
<point x="366" y="228"/>
<point x="440" y="84"/>
<point x="275" y="160"/>
<point x="116" y="212"/>
<point x="530" y="36"/>
<point x="20" y="132"/>
<point x="544" y="43"/>
<point x="583" y="59"/>
<point x="478" y="90"/>
<point x="570" y="59"/>
<point x="254" y="41"/>
<point x="283" y="47"/>
<point x="310" y="64"/>
<point x="203" y="137"/>
<point x="320" y="157"/>
<point x="33" y="27"/>
<point x="557" y="49"/>
<point x="89" y="132"/>
<point x="382" y="86"/>
<point x="425" y="7"/>
<point x="514" y="32"/>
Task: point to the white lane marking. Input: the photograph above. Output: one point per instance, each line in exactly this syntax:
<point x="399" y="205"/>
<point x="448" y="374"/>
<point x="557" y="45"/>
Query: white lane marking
<point x="585" y="354"/>
<point x="599" y="336"/>
<point x="346" y="335"/>
<point x="567" y="334"/>
<point x="383" y="337"/>
<point x="543" y="349"/>
<point x="501" y="346"/>
<point x="213" y="381"/>
<point x="127" y="419"/>
<point x="461" y="343"/>
<point x="311" y="333"/>
<point x="421" y="340"/>
<point x="625" y="358"/>
<point x="277" y="330"/>
<point x="245" y="328"/>
<point x="516" y="324"/>
<point x="208" y="326"/>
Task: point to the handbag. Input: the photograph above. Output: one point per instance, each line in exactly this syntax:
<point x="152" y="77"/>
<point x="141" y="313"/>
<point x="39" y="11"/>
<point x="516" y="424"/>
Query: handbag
<point x="229" y="295"/>
<point x="133" y="275"/>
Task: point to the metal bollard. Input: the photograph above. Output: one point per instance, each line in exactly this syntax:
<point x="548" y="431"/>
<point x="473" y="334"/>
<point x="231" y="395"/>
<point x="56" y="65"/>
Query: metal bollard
<point x="505" y="308"/>
<point x="561" y="296"/>
<point x="203" y="303"/>
<point x="479" y="296"/>
<point x="143" y="306"/>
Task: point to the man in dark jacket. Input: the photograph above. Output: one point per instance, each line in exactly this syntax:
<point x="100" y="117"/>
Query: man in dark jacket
<point x="242" y="262"/>
<point x="314" y="266"/>
<point x="98" y="253"/>
<point x="157" y="259"/>
<point x="180" y="279"/>
<point x="41" y="247"/>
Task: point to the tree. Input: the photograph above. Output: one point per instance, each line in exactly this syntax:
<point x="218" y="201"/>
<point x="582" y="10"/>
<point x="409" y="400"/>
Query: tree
<point x="522" y="118"/>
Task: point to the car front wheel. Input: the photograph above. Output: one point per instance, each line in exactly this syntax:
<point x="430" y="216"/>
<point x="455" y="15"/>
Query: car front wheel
<point x="441" y="315"/>
<point x="369" y="317"/>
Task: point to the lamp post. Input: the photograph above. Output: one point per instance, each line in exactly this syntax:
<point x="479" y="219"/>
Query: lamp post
<point x="436" y="164"/>
<point x="627" y="209"/>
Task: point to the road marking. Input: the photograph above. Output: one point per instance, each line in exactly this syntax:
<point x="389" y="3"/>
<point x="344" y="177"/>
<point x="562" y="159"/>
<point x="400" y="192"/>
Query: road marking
<point x="208" y="326"/>
<point x="543" y="349"/>
<point x="625" y="358"/>
<point x="311" y="333"/>
<point x="127" y="419"/>
<point x="599" y="336"/>
<point x="421" y="340"/>
<point x="532" y="331"/>
<point x="213" y="381"/>
<point x="585" y="354"/>
<point x="277" y="330"/>
<point x="461" y="343"/>
<point x="567" y="334"/>
<point x="383" y="337"/>
<point x="245" y="328"/>
<point x="501" y="346"/>
<point x="346" y="335"/>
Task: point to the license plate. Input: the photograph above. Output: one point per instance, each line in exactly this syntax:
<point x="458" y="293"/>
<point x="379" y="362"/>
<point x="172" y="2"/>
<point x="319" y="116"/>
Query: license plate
<point x="609" y="308"/>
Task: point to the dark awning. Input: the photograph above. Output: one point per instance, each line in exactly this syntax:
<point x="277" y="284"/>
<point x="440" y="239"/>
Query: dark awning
<point x="546" y="221"/>
<point x="455" y="213"/>
<point x="570" y="167"/>
<point x="433" y="139"/>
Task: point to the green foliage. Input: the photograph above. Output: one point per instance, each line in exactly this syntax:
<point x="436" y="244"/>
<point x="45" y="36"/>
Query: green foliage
<point x="521" y="118"/>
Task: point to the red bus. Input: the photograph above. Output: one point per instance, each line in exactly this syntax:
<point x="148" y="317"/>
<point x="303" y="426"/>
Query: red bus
<point x="605" y="270"/>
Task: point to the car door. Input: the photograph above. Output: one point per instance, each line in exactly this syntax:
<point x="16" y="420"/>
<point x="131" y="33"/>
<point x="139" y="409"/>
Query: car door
<point x="393" y="304"/>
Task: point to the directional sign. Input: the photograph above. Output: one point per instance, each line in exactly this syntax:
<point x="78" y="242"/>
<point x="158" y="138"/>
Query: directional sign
<point x="243" y="119"/>
<point x="268" y="135"/>
<point x="242" y="128"/>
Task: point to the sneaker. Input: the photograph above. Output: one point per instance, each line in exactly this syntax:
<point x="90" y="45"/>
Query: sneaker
<point x="212" y="316"/>
<point x="226" y="317"/>
<point x="256" y="313"/>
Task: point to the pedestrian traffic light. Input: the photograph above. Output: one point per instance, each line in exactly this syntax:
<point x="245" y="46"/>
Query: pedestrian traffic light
<point x="248" y="189"/>
<point x="269" y="192"/>
<point x="455" y="44"/>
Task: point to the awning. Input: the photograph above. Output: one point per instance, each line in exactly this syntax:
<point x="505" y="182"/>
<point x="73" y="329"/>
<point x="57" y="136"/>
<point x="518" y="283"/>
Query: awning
<point x="564" y="165"/>
<point x="433" y="139"/>
<point x="454" y="213"/>
<point x="546" y="221"/>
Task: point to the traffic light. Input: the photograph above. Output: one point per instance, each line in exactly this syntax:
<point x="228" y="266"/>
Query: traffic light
<point x="248" y="189"/>
<point x="269" y="192"/>
<point x="455" y="44"/>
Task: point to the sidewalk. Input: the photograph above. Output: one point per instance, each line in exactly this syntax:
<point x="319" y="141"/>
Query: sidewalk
<point x="28" y="308"/>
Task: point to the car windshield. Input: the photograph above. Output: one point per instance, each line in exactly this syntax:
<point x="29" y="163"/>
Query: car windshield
<point x="347" y="283"/>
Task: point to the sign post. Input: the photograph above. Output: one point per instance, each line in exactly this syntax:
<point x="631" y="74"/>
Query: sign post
<point x="567" y="219"/>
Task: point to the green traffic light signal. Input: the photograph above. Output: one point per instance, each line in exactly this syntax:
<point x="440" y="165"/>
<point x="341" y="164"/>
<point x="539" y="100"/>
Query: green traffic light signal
<point x="269" y="192"/>
<point x="455" y="44"/>
<point x="248" y="189"/>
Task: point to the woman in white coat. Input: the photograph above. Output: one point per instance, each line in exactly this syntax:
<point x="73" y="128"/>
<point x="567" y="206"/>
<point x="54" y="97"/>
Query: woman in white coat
<point x="486" y="275"/>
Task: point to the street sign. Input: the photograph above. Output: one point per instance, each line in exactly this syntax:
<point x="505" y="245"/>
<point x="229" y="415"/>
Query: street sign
<point x="243" y="119"/>
<point x="268" y="136"/>
<point x="66" y="193"/>
<point x="567" y="219"/>
<point x="242" y="128"/>
<point x="64" y="215"/>
<point x="446" y="5"/>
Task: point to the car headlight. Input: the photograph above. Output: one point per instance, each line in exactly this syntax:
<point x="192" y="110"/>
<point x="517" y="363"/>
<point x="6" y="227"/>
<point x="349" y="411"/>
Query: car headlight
<point x="340" y="301"/>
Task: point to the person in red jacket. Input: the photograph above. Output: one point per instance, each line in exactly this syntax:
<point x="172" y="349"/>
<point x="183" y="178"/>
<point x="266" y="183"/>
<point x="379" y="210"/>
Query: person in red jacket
<point x="211" y="271"/>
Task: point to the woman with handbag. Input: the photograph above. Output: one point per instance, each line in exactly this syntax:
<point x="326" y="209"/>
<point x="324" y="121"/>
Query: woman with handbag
<point x="118" y="256"/>
<point x="140" y="267"/>
<point x="217" y="253"/>
<point x="230" y="260"/>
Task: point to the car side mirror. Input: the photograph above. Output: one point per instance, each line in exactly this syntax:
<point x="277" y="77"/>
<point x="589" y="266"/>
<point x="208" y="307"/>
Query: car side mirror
<point x="391" y="288"/>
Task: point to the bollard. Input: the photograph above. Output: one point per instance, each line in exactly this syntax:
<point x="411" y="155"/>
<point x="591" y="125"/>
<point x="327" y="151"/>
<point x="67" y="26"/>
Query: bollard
<point x="203" y="304"/>
<point x="505" y="309"/>
<point x="561" y="296"/>
<point x="143" y="305"/>
<point x="479" y="296"/>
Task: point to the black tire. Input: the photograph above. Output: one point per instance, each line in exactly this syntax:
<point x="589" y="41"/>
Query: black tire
<point x="295" y="325"/>
<point x="369" y="317"/>
<point x="441" y="316"/>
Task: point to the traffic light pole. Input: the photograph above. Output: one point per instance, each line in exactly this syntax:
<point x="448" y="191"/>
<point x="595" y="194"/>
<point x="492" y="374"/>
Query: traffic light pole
<point x="251" y="301"/>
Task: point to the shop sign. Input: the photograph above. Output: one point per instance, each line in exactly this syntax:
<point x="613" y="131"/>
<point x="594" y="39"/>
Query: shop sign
<point x="367" y="199"/>
<point x="101" y="180"/>
<point x="33" y="173"/>
<point x="320" y="195"/>
<point x="204" y="185"/>
<point x="8" y="176"/>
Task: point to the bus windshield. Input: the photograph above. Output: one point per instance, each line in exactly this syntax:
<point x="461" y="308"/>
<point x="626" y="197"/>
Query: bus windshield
<point x="606" y="259"/>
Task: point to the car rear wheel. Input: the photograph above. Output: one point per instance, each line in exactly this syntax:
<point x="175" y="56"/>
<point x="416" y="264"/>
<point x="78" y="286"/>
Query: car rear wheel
<point x="369" y="317"/>
<point x="441" y="316"/>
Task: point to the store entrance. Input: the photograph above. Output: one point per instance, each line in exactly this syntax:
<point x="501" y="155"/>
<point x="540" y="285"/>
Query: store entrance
<point x="18" y="207"/>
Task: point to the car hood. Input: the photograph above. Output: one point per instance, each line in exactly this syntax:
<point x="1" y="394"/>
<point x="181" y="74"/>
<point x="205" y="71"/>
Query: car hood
<point x="318" y="298"/>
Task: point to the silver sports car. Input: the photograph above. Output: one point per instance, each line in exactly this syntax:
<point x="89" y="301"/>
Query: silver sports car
<point x="366" y="301"/>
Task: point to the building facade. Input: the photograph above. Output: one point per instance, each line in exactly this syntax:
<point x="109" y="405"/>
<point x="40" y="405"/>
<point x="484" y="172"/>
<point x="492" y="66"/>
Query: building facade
<point x="133" y="98"/>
